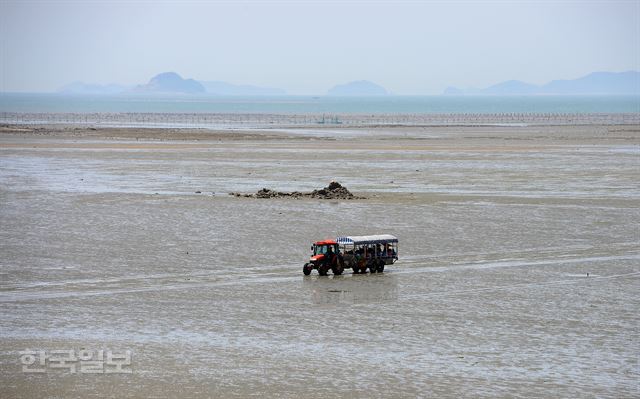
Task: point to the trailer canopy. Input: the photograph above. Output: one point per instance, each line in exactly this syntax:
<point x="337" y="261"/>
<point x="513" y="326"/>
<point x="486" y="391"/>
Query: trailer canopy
<point x="363" y="240"/>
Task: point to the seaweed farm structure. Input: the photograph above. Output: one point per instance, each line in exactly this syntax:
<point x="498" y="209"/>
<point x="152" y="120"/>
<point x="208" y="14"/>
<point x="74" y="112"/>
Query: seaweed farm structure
<point x="262" y="120"/>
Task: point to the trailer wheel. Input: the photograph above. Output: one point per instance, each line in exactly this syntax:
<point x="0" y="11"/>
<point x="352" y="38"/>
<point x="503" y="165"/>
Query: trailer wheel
<point x="355" y="269"/>
<point x="306" y="269"/>
<point x="373" y="267"/>
<point x="381" y="267"/>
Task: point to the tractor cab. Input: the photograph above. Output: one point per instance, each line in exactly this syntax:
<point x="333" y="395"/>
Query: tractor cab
<point x="320" y="248"/>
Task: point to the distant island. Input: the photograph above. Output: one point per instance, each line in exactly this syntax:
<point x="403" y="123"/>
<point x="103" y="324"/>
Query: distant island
<point x="358" y="88"/>
<point x="610" y="83"/>
<point x="172" y="83"/>
<point x="597" y="83"/>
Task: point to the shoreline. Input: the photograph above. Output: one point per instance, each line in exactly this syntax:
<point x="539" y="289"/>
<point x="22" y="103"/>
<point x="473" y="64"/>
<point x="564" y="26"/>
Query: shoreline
<point x="396" y="138"/>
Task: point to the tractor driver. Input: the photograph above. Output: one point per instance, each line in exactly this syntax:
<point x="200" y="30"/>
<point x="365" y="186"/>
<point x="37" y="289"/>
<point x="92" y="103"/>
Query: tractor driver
<point x="328" y="257"/>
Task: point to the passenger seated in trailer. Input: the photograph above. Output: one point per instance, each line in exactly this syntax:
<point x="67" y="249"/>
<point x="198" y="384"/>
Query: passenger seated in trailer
<point x="388" y="250"/>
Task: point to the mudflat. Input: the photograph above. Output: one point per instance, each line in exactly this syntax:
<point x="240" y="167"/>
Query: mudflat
<point x="518" y="276"/>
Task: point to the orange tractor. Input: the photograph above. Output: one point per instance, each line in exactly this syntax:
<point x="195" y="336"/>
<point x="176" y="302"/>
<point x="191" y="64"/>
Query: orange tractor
<point x="325" y="256"/>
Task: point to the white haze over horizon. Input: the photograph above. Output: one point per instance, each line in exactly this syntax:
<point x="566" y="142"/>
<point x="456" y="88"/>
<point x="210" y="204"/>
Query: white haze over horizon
<point x="306" y="47"/>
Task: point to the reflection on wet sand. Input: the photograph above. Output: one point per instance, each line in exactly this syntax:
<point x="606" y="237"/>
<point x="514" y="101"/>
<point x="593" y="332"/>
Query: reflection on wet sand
<point x="352" y="289"/>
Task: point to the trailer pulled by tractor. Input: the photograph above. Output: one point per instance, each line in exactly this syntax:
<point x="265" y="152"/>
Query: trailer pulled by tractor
<point x="360" y="253"/>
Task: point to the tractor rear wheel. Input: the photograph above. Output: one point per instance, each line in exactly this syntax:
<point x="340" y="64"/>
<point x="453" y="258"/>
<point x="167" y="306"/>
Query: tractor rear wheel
<point x="306" y="269"/>
<point x="322" y="270"/>
<point x="337" y="269"/>
<point x="355" y="269"/>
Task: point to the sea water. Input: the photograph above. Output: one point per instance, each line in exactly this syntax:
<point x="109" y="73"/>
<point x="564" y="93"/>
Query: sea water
<point x="438" y="104"/>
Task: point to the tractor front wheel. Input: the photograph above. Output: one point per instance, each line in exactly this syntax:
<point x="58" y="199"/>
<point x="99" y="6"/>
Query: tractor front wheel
<point x="306" y="269"/>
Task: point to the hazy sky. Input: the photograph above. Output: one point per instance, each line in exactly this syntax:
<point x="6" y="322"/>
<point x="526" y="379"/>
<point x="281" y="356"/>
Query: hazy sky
<point x="305" y="47"/>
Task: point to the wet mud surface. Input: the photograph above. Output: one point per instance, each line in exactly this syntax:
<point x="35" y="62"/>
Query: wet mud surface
<point x="518" y="276"/>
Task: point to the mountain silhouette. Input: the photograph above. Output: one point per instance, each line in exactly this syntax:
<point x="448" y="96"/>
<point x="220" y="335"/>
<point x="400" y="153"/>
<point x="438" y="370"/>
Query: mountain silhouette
<point x="171" y="82"/>
<point x="358" y="88"/>
<point x="620" y="83"/>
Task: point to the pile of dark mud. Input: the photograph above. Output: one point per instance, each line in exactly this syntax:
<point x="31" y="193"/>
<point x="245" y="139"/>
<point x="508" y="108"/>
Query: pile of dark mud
<point x="334" y="191"/>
